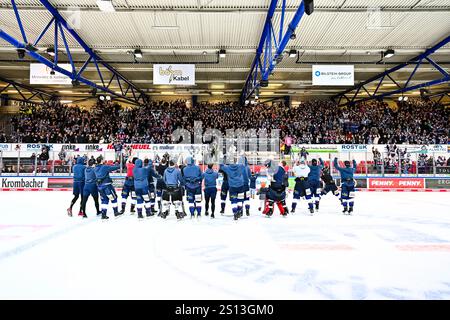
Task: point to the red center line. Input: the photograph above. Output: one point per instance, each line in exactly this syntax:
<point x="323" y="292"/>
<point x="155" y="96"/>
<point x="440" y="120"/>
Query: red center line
<point x="424" y="247"/>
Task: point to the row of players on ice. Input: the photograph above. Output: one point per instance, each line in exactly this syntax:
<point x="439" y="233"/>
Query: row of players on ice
<point x="165" y="185"/>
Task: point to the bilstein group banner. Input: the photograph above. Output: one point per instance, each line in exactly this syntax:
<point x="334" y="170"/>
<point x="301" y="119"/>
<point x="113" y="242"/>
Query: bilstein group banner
<point x="333" y="75"/>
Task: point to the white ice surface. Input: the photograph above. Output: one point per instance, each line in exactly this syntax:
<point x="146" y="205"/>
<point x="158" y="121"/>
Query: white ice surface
<point x="395" y="246"/>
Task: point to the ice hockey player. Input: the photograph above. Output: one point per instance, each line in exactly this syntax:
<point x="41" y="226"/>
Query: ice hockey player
<point x="262" y="192"/>
<point x="105" y="187"/>
<point x="128" y="187"/>
<point x="277" y="188"/>
<point x="152" y="178"/>
<point x="253" y="179"/>
<point x="78" y="185"/>
<point x="330" y="185"/>
<point x="314" y="181"/>
<point x="347" y="184"/>
<point x="172" y="191"/>
<point x="224" y="189"/>
<point x="236" y="186"/>
<point x="90" y="188"/>
<point x="302" y="187"/>
<point x="192" y="175"/>
<point x="140" y="175"/>
<point x="210" y="176"/>
<point x="246" y="173"/>
<point x="162" y="166"/>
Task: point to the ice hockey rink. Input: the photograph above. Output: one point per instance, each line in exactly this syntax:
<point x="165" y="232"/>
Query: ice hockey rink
<point x="394" y="246"/>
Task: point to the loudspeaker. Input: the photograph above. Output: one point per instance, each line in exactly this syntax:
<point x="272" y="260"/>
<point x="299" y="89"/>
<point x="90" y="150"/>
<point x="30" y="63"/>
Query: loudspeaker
<point x="3" y="100"/>
<point x="287" y="101"/>
<point x="309" y="6"/>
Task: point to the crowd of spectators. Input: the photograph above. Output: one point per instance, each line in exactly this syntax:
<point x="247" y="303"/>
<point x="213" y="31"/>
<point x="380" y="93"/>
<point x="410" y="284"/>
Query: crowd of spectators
<point x="312" y="122"/>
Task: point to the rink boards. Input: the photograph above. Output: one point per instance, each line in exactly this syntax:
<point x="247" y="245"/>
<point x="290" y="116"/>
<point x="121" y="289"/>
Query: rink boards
<point x="370" y="184"/>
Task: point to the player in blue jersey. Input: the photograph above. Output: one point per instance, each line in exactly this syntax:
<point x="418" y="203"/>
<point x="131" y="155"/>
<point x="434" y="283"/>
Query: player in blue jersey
<point x="347" y="184"/>
<point x="192" y="177"/>
<point x="105" y="188"/>
<point x="78" y="185"/>
<point x="315" y="184"/>
<point x="236" y="185"/>
<point x="90" y="188"/>
<point x="210" y="176"/>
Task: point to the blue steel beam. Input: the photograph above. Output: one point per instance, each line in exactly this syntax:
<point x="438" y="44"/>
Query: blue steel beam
<point x="261" y="71"/>
<point x="36" y="95"/>
<point x="76" y="75"/>
<point x="417" y="61"/>
<point x="88" y="50"/>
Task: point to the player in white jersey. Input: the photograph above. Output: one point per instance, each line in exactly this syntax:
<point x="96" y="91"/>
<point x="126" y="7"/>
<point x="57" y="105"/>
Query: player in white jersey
<point x="302" y="187"/>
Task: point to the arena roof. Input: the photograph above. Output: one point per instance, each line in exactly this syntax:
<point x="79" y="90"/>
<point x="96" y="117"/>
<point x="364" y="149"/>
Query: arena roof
<point x="192" y="31"/>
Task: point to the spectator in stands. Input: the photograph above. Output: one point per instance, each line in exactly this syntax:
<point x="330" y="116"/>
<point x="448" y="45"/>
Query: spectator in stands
<point x="43" y="158"/>
<point x="62" y="156"/>
<point x="413" y="122"/>
<point x="440" y="161"/>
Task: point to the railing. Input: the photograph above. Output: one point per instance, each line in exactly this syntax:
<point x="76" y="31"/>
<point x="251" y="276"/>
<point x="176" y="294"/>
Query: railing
<point x="27" y="159"/>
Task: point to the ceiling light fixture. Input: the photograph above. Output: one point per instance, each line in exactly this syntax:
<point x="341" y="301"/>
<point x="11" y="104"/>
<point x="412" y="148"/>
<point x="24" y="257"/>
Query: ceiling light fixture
<point x="21" y="53"/>
<point x="138" y="53"/>
<point x="388" y="53"/>
<point x="105" y="5"/>
<point x="222" y="53"/>
<point x="51" y="51"/>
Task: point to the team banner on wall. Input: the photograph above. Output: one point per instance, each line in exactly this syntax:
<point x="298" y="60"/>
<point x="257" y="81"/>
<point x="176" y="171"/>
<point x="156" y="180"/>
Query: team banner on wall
<point x="333" y="75"/>
<point x="417" y="148"/>
<point x="316" y="148"/>
<point x="174" y="74"/>
<point x="387" y="183"/>
<point x="40" y="74"/>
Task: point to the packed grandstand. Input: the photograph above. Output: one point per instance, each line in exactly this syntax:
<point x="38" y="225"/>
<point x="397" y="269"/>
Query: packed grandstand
<point x="314" y="122"/>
